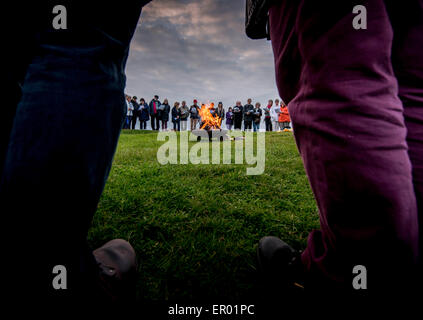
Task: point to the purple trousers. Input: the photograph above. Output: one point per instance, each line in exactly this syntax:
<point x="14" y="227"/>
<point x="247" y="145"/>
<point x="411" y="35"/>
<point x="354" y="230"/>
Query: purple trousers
<point x="356" y="104"/>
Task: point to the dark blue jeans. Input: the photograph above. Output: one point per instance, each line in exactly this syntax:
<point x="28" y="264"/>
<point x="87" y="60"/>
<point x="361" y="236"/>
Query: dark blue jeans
<point x="57" y="155"/>
<point x="176" y="124"/>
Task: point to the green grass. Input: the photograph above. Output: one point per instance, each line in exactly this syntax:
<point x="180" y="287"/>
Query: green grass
<point x="195" y="228"/>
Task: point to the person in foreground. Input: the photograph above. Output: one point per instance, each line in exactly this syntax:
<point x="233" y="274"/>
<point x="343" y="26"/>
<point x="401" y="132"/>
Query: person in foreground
<point x="60" y="157"/>
<point x="356" y="104"/>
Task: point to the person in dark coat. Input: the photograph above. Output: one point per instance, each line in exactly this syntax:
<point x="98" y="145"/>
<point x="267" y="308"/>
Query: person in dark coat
<point x="237" y="112"/>
<point x="154" y="113"/>
<point x="164" y="110"/>
<point x="144" y="114"/>
<point x="176" y="117"/>
<point x="220" y="111"/>
<point x="135" y="112"/>
<point x="248" y="115"/>
<point x="257" y="117"/>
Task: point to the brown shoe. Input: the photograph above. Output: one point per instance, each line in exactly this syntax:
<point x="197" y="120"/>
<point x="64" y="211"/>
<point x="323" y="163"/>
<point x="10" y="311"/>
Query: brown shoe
<point x="117" y="270"/>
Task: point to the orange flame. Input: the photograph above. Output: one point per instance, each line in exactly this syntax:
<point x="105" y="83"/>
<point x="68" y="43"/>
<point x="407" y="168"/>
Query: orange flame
<point x="208" y="120"/>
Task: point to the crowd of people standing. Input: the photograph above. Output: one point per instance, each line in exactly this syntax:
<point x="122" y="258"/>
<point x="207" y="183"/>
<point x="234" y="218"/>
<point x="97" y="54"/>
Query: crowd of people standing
<point x="248" y="117"/>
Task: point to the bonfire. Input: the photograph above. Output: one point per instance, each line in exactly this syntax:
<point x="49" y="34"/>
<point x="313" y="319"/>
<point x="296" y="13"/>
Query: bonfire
<point x="209" y="120"/>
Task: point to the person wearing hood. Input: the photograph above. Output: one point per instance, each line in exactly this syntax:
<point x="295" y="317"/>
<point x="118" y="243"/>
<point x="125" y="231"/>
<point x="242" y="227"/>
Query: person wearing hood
<point x="135" y="111"/>
<point x="176" y="117"/>
<point x="220" y="111"/>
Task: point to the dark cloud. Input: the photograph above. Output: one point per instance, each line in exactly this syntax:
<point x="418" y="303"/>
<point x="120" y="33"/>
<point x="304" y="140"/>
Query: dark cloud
<point x="185" y="49"/>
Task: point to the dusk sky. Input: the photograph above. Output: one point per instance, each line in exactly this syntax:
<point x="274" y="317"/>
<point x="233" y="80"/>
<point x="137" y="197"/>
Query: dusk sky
<point x="186" y="49"/>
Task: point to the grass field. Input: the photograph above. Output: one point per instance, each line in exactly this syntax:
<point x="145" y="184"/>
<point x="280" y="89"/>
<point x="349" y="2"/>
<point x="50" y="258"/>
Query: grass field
<point x="195" y="228"/>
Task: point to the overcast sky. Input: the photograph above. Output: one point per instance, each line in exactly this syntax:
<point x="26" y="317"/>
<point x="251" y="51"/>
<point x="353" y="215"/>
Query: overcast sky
<point x="186" y="49"/>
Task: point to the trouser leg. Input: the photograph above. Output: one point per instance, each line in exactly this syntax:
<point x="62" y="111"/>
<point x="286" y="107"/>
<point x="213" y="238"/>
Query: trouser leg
<point x="60" y="151"/>
<point x="355" y="152"/>
<point x="10" y="103"/>
<point x="59" y="168"/>
<point x="153" y="122"/>
<point x="133" y="122"/>
<point x="408" y="67"/>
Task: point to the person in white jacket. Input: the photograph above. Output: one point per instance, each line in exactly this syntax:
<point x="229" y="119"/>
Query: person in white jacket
<point x="274" y="113"/>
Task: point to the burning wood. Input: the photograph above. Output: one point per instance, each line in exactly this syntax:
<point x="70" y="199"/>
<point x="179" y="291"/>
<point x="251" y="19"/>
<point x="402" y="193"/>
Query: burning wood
<point x="209" y="118"/>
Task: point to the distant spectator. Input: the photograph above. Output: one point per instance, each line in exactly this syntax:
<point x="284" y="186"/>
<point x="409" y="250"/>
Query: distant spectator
<point x="176" y="115"/>
<point x="184" y="115"/>
<point x="194" y="113"/>
<point x="237" y="115"/>
<point x="164" y="110"/>
<point x="154" y="113"/>
<point x="268" y="116"/>
<point x="129" y="112"/>
<point x="220" y="111"/>
<point x="257" y="117"/>
<point x="274" y="112"/>
<point x="229" y="119"/>
<point x="144" y="114"/>
<point x="213" y="110"/>
<point x="135" y="111"/>
<point x="248" y="115"/>
<point x="284" y="118"/>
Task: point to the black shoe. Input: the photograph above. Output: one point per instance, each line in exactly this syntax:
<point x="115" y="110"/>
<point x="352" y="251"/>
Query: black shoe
<point x="280" y="266"/>
<point x="117" y="266"/>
